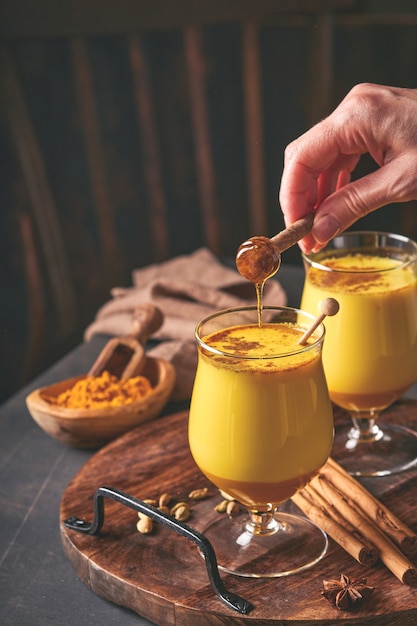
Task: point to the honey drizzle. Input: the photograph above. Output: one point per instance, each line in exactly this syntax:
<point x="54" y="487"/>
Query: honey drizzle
<point x="259" y="287"/>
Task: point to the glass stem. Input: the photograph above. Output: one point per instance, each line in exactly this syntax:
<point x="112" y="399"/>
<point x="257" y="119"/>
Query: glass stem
<point x="365" y="428"/>
<point x="262" y="523"/>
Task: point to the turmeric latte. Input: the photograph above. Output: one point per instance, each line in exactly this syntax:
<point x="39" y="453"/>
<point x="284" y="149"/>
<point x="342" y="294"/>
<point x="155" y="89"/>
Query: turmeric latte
<point x="260" y="419"/>
<point x="106" y="390"/>
<point x="370" y="353"/>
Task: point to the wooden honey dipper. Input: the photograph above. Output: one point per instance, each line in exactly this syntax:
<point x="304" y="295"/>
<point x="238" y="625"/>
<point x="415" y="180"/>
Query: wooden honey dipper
<point x="328" y="308"/>
<point x="259" y="257"/>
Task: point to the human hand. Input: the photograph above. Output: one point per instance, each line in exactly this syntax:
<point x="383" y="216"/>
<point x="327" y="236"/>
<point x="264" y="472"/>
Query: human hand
<point x="374" y="119"/>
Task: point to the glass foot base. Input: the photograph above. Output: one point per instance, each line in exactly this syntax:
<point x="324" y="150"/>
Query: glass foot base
<point x="298" y="544"/>
<point x="393" y="451"/>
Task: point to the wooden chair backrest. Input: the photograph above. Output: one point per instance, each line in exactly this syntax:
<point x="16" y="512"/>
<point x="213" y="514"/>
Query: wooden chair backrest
<point x="132" y="132"/>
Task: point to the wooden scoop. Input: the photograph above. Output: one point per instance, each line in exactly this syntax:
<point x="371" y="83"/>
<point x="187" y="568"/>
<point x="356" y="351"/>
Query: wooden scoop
<point x="125" y="356"/>
<point x="259" y="258"/>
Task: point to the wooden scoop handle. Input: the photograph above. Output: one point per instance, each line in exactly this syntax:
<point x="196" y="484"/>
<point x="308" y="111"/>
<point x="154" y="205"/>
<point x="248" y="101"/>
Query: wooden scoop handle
<point x="125" y="356"/>
<point x="146" y="320"/>
<point x="299" y="229"/>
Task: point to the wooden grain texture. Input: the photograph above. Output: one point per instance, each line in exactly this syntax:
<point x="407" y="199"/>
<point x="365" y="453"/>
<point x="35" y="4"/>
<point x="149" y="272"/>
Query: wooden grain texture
<point x="196" y="67"/>
<point x="251" y="70"/>
<point x="106" y="218"/>
<point x="162" y="576"/>
<point x="45" y="214"/>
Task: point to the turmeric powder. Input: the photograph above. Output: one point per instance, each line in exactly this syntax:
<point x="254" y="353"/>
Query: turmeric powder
<point x="106" y="390"/>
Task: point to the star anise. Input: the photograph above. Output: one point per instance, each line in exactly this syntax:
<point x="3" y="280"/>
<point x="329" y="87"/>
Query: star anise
<point x="344" y="593"/>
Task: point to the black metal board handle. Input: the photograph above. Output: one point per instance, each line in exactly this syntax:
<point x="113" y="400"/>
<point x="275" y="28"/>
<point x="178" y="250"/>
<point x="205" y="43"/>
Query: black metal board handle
<point x="74" y="523"/>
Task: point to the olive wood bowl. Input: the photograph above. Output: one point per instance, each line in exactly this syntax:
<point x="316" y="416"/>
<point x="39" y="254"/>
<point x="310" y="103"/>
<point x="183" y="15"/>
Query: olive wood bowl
<point x="92" y="428"/>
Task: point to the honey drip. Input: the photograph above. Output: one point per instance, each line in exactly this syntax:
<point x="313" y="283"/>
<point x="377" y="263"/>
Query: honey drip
<point x="257" y="260"/>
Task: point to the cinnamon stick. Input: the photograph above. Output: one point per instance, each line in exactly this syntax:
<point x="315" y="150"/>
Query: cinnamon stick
<point x="364" y="554"/>
<point x="390" y="554"/>
<point x="400" y="534"/>
<point x="369" y="552"/>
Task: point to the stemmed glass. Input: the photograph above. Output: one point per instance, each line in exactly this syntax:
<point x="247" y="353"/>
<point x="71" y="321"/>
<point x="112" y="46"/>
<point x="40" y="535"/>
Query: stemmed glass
<point x="370" y="354"/>
<point x="260" y="426"/>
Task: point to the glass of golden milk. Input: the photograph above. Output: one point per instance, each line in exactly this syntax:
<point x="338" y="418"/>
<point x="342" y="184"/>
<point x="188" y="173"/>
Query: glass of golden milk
<point x="260" y="427"/>
<point x="370" y="354"/>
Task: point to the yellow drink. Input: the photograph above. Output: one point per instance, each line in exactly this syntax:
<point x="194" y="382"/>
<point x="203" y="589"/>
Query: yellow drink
<point x="261" y="422"/>
<point x="370" y="354"/>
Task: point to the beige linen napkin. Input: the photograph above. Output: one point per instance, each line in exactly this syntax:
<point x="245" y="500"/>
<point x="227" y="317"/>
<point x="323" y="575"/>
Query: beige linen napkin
<point x="186" y="289"/>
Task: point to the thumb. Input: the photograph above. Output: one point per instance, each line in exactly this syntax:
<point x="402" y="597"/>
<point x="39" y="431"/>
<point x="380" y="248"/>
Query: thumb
<point x="393" y="182"/>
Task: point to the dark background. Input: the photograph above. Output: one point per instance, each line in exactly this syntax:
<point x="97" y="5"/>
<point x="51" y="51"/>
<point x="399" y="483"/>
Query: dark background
<point x="109" y="160"/>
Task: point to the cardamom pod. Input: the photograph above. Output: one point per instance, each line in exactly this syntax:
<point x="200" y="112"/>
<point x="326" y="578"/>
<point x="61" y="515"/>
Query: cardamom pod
<point x="151" y="501"/>
<point x="164" y="500"/>
<point x="144" y="525"/>
<point x="232" y="508"/>
<point x="198" y="494"/>
<point x="221" y="506"/>
<point x="181" y="511"/>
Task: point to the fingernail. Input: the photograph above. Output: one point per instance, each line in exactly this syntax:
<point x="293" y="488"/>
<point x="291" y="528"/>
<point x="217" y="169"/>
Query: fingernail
<point x="325" y="228"/>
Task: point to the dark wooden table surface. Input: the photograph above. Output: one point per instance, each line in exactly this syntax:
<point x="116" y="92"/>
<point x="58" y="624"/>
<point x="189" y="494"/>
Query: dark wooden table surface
<point x="37" y="583"/>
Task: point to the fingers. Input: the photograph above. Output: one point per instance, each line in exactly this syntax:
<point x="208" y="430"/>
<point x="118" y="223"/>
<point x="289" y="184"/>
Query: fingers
<point x="303" y="189"/>
<point x="354" y="200"/>
<point x="374" y="119"/>
<point x="315" y="166"/>
<point x="335" y="177"/>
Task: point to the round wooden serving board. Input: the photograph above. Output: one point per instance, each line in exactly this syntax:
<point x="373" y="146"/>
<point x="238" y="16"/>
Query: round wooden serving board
<point x="163" y="577"/>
